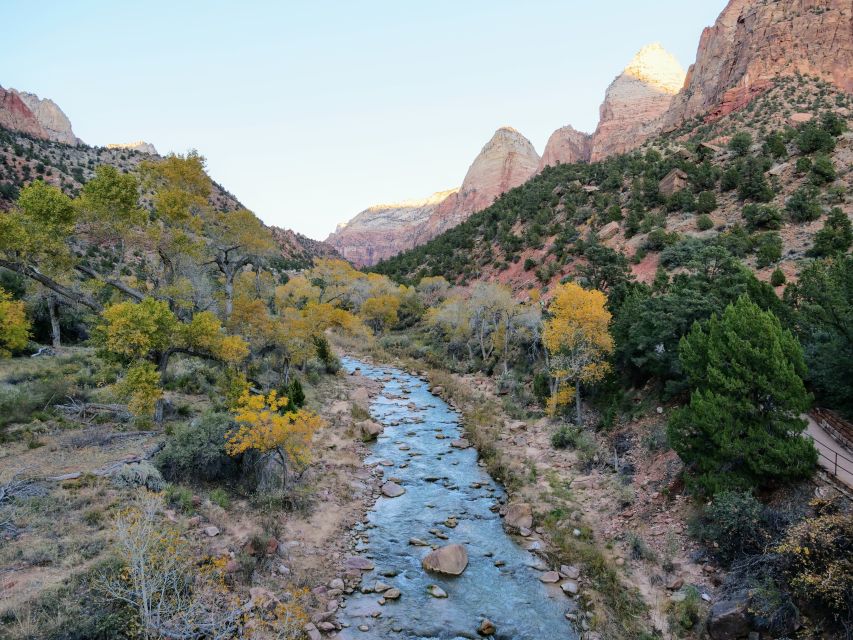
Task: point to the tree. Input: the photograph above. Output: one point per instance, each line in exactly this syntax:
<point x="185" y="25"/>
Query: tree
<point x="822" y="304"/>
<point x="380" y="312"/>
<point x="578" y="341"/>
<point x="264" y="427"/>
<point x="14" y="326"/>
<point x="741" y="428"/>
<point x="706" y="202"/>
<point x="803" y="206"/>
<point x="740" y="143"/>
<point x="145" y="335"/>
<point x="768" y="249"/>
<point x="835" y="237"/>
<point x="753" y="184"/>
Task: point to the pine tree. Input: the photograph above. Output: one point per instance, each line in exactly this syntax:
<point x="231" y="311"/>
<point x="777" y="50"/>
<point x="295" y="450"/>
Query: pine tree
<point x="741" y="428"/>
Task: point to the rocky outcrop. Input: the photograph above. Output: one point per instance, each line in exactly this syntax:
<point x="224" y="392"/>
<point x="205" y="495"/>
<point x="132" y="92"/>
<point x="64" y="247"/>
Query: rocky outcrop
<point x="635" y="102"/>
<point x="752" y="43"/>
<point x="52" y="119"/>
<point x="298" y="251"/>
<point x="140" y="145"/>
<point x="565" y="146"/>
<point x="17" y="116"/>
<point x="385" y="230"/>
<point x="508" y="160"/>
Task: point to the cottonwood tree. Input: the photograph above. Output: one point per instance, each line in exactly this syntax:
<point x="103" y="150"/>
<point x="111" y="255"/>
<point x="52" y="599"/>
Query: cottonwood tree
<point x="14" y="326"/>
<point x="742" y="426"/>
<point x="264" y="426"/>
<point x="145" y="335"/>
<point x="578" y="341"/>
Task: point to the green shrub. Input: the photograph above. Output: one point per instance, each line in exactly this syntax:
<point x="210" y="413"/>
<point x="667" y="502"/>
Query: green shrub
<point x="813" y="138"/>
<point x="734" y="524"/>
<point x="658" y="239"/>
<point x="704" y="222"/>
<point x="180" y="497"/>
<point x="835" y="237"/>
<point x="706" y="202"/>
<point x="685" y="613"/>
<point x="753" y="184"/>
<point x="542" y="386"/>
<point x="768" y="249"/>
<point x="196" y="451"/>
<point x="804" y="165"/>
<point x="803" y="206"/>
<point x="777" y="278"/>
<point x="140" y="474"/>
<point x="740" y="143"/>
<point x="823" y="170"/>
<point x="220" y="497"/>
<point x="759" y="216"/>
<point x="565" y="437"/>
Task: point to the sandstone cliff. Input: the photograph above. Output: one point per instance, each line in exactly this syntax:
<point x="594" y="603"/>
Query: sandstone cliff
<point x="140" y="145"/>
<point x="385" y="230"/>
<point x="508" y="160"/>
<point x="753" y="42"/>
<point x="53" y="120"/>
<point x="635" y="101"/>
<point x="17" y="116"/>
<point x="566" y="145"/>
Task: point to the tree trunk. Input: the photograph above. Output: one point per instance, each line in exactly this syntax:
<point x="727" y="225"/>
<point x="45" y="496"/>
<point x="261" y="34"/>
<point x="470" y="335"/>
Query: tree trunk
<point x="229" y="293"/>
<point x="578" y="401"/>
<point x="54" y="321"/>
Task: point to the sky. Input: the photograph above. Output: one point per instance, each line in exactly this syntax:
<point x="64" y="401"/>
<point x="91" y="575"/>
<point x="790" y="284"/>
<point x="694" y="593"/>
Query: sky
<point x="310" y="112"/>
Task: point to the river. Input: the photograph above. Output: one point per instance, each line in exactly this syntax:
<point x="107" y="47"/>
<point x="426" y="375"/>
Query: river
<point x="444" y="486"/>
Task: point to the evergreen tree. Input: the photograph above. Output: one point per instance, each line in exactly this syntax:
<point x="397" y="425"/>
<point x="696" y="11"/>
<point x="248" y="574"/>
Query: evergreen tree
<point x="836" y="235"/>
<point x="741" y="428"/>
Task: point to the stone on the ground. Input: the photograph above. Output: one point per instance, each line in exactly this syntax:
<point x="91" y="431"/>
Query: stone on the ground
<point x="675" y="584"/>
<point x="460" y="443"/>
<point x="368" y="429"/>
<point x="361" y="397"/>
<point x="570" y="587"/>
<point x="391" y="594"/>
<point x="436" y="592"/>
<point x="519" y="515"/>
<point x="450" y="559"/>
<point x="549" y="577"/>
<point x="357" y="562"/>
<point x="312" y="632"/>
<point x="417" y="542"/>
<point x="486" y="628"/>
<point x="729" y="619"/>
<point x="392" y="490"/>
<point x="570" y="571"/>
<point x="380" y="586"/>
<point x="211" y="531"/>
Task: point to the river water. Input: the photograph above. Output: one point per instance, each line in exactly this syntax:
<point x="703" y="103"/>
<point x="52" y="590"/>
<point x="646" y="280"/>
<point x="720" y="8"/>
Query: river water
<point x="442" y="482"/>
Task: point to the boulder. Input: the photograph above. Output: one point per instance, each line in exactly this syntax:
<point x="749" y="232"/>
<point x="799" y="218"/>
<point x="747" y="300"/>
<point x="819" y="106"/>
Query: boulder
<point x="729" y="619"/>
<point x="460" y="443"/>
<point x="487" y="628"/>
<point x="436" y="592"/>
<point x="368" y="429"/>
<point x="359" y="563"/>
<point x="361" y="397"/>
<point x="549" y="577"/>
<point x="570" y="587"/>
<point x="392" y="490"/>
<point x="519" y="515"/>
<point x="451" y="559"/>
<point x="608" y="231"/>
<point x="570" y="571"/>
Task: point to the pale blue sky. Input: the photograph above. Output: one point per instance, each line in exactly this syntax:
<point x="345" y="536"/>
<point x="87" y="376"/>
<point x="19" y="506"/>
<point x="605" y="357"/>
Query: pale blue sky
<point x="311" y="111"/>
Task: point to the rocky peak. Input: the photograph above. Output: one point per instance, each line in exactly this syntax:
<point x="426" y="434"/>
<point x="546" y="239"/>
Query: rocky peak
<point x="753" y="42"/>
<point x="565" y="146"/>
<point x="635" y="101"/>
<point x="140" y="145"/>
<point x="52" y="119"/>
<point x="17" y="116"/>
<point x="384" y="230"/>
<point x="507" y="160"/>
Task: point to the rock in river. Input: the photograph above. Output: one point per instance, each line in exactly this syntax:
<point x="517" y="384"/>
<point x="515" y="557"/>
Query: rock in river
<point x="392" y="490"/>
<point x="451" y="559"/>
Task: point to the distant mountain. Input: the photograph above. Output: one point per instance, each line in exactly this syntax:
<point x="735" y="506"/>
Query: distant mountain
<point x="507" y="160"/>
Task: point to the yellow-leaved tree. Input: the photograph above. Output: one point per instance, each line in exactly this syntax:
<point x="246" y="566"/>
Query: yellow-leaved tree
<point x="14" y="326"/>
<point x="578" y="343"/>
<point x="266" y="428"/>
<point x="145" y="335"/>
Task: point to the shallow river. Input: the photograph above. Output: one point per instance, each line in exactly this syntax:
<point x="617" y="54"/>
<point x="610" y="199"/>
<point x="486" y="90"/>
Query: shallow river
<point x="440" y="482"/>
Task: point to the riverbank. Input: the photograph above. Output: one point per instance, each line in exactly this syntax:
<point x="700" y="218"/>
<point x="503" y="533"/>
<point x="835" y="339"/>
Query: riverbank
<point x="518" y="454"/>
